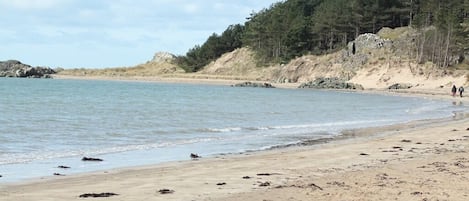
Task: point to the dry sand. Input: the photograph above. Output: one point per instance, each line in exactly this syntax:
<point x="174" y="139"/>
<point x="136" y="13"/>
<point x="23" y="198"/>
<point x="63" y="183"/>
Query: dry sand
<point x="416" y="161"/>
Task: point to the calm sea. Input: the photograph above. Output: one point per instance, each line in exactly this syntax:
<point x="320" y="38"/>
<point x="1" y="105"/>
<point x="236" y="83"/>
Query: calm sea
<point x="47" y="123"/>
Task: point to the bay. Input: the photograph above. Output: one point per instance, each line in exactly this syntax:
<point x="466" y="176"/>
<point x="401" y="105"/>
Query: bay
<point x="47" y="123"/>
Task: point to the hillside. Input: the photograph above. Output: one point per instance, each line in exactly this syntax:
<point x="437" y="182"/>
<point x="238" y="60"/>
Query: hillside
<point x="294" y="28"/>
<point x="372" y="60"/>
<point x="162" y="63"/>
<point x="240" y="63"/>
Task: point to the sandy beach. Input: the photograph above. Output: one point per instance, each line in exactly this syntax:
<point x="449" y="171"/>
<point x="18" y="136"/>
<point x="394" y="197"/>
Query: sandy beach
<point x="425" y="160"/>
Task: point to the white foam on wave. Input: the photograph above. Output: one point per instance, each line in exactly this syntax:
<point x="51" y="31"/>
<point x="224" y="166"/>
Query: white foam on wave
<point x="425" y="109"/>
<point x="247" y="133"/>
<point x="15" y="158"/>
<point x="224" y="130"/>
<point x="324" y="126"/>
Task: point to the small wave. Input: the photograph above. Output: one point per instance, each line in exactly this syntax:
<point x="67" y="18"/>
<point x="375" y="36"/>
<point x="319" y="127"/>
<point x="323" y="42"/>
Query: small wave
<point x="45" y="155"/>
<point x="304" y="142"/>
<point x="436" y="109"/>
<point x="223" y="130"/>
<point x="423" y="109"/>
<point x="297" y="126"/>
<point x="329" y="124"/>
<point x="258" y="128"/>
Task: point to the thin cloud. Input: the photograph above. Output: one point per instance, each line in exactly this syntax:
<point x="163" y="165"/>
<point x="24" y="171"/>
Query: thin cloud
<point x="32" y="4"/>
<point x="191" y="8"/>
<point x="64" y="32"/>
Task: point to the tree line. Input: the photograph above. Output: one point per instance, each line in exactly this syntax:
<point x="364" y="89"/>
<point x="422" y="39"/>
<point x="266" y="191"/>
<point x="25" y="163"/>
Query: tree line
<point x="443" y="28"/>
<point x="293" y="28"/>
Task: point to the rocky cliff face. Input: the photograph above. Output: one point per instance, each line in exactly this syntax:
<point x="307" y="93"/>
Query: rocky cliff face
<point x="13" y="68"/>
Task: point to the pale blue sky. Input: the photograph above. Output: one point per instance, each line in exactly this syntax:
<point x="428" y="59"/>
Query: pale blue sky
<point x="108" y="33"/>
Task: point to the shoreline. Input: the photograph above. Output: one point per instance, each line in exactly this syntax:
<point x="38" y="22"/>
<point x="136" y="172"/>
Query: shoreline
<point x="433" y="93"/>
<point x="289" y="171"/>
<point x="285" y="172"/>
<point x="179" y="80"/>
<point x="343" y="136"/>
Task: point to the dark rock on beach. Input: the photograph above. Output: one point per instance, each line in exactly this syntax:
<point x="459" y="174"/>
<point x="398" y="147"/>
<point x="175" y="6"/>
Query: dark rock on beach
<point x="91" y="159"/>
<point x="331" y="83"/>
<point x="264" y="184"/>
<point x="400" y="86"/>
<point x="97" y="195"/>
<point x="13" y="68"/>
<point x="63" y="167"/>
<point x="166" y="191"/>
<point x="253" y="84"/>
<point x="195" y="156"/>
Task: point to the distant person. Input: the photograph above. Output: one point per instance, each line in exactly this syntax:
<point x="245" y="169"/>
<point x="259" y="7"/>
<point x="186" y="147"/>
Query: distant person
<point x="453" y="90"/>
<point x="461" y="89"/>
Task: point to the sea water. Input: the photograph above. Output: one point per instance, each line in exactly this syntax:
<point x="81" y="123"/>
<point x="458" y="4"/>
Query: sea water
<point x="47" y="123"/>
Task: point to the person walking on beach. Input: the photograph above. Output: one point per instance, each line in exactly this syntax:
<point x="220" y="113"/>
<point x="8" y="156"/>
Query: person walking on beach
<point x="461" y="89"/>
<point x="453" y="90"/>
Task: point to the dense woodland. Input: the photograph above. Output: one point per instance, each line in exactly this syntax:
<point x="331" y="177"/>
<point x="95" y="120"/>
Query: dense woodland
<point x="292" y="28"/>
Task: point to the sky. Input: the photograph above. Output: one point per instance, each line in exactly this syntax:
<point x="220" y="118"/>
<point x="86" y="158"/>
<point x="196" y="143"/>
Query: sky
<point x="112" y="33"/>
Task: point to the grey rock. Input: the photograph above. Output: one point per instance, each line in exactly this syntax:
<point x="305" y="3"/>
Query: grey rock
<point x="400" y="86"/>
<point x="14" y="68"/>
<point x="369" y="42"/>
<point x="162" y="57"/>
<point x="331" y="83"/>
<point x="358" y="52"/>
<point x="253" y="84"/>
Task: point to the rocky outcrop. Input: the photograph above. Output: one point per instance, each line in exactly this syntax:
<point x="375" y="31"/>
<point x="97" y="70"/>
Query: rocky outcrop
<point x="367" y="42"/>
<point x="163" y="57"/>
<point x="342" y="64"/>
<point x="253" y="84"/>
<point x="13" y="68"/>
<point x="400" y="86"/>
<point x="331" y="83"/>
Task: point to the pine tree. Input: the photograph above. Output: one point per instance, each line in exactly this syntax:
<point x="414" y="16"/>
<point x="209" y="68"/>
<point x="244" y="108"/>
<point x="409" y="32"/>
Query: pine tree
<point x="291" y="28"/>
